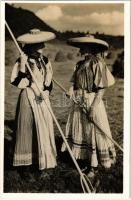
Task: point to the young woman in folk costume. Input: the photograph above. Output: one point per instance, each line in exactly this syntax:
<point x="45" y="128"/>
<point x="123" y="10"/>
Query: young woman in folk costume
<point x="35" y="142"/>
<point x="90" y="79"/>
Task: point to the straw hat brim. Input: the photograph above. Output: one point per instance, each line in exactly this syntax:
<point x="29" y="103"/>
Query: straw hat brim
<point x="93" y="43"/>
<point x="29" y="38"/>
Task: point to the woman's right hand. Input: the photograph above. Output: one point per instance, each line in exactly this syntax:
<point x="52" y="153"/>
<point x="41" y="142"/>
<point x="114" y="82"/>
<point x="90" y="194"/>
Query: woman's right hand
<point x="23" y="58"/>
<point x="71" y="94"/>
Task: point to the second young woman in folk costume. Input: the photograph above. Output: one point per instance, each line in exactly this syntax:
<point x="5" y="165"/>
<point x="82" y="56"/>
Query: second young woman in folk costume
<point x="90" y="79"/>
<point x="35" y="142"/>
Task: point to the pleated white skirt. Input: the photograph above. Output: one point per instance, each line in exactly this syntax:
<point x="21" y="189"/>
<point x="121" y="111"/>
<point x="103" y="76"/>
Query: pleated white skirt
<point x="35" y="142"/>
<point x="85" y="139"/>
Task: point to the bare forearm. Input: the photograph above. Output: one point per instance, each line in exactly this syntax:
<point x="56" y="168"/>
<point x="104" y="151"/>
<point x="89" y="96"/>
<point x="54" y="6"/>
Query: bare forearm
<point x="23" y="61"/>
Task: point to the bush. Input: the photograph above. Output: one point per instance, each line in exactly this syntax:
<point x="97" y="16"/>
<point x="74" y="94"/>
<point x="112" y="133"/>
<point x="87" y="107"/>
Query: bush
<point x="60" y="57"/>
<point x="70" y="56"/>
<point x="118" y="66"/>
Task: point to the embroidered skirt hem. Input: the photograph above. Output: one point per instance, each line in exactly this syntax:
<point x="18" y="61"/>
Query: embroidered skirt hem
<point x="85" y="139"/>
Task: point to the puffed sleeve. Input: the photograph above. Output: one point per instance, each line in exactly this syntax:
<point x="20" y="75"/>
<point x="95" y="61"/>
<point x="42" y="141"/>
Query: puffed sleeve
<point x="18" y="78"/>
<point x="49" y="74"/>
<point x="102" y="75"/>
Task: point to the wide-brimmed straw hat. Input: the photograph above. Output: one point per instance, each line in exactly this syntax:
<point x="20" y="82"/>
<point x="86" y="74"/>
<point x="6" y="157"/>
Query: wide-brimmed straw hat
<point x="90" y="42"/>
<point x="35" y="36"/>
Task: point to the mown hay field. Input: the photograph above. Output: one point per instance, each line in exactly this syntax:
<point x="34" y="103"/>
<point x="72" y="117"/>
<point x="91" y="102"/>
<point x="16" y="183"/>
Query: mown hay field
<point x="64" y="178"/>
